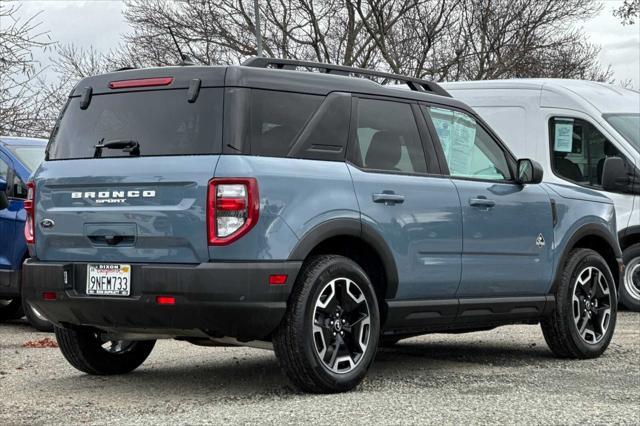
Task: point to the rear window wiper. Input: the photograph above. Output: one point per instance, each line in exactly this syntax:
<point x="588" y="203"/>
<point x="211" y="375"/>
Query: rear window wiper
<point x="126" y="145"/>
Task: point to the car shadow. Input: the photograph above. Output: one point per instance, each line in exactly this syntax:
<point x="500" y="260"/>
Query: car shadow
<point x="257" y="374"/>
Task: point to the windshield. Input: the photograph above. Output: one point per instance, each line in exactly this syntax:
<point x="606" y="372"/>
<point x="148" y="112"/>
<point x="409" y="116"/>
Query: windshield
<point x="628" y="125"/>
<point x="162" y="122"/>
<point x="30" y="156"/>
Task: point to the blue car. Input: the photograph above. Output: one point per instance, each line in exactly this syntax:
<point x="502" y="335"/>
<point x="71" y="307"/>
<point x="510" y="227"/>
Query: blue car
<point x="317" y="213"/>
<point x="19" y="157"/>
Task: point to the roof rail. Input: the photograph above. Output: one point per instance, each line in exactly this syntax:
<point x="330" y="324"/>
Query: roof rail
<point x="291" y="64"/>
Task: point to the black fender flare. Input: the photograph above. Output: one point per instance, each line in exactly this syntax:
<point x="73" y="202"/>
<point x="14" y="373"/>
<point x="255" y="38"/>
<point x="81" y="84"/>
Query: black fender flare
<point x="632" y="232"/>
<point x="584" y="231"/>
<point x="352" y="228"/>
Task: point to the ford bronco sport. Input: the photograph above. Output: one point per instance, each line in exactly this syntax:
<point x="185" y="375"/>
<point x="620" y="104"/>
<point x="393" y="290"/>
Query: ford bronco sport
<point x="314" y="212"/>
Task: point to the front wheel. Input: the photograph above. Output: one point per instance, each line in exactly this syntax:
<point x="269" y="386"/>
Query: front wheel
<point x="630" y="285"/>
<point x="92" y="353"/>
<point x="329" y="335"/>
<point x="584" y="318"/>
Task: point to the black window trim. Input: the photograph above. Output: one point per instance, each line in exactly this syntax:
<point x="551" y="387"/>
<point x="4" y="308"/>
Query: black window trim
<point x="509" y="156"/>
<point x="427" y="146"/>
<point x="551" y="150"/>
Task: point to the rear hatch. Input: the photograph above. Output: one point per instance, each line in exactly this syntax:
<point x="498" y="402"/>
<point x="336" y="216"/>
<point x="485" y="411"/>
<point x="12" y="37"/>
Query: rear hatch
<point x="127" y="168"/>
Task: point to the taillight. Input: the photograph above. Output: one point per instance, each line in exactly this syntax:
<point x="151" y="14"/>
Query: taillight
<point x="29" y="204"/>
<point x="233" y="205"/>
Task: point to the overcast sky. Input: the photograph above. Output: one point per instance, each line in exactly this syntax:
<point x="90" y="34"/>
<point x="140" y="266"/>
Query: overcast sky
<point x="100" y="24"/>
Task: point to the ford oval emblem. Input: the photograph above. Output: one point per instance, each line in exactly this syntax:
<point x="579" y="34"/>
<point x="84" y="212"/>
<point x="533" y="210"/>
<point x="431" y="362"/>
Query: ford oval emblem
<point x="47" y="223"/>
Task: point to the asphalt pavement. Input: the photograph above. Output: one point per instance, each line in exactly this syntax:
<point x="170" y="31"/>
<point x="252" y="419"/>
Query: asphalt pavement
<point x="506" y="375"/>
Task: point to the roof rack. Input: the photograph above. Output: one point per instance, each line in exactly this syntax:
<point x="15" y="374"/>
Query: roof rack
<point x="291" y="64"/>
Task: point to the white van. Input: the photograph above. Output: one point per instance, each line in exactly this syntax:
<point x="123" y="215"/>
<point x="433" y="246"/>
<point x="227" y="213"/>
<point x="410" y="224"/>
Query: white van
<point x="571" y="127"/>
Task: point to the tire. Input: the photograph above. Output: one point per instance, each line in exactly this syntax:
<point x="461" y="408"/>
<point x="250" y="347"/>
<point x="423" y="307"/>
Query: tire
<point x="84" y="350"/>
<point x="10" y="309"/>
<point x="325" y="312"/>
<point x="630" y="283"/>
<point x="581" y="326"/>
<point x="36" y="319"/>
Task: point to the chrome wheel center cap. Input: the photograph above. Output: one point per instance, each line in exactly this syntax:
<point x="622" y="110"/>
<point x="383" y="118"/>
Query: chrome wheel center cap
<point x="337" y="326"/>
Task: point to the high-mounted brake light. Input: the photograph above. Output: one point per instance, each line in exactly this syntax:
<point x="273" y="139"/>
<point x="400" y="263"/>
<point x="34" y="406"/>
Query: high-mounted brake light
<point x="140" y="82"/>
<point x="29" y="204"/>
<point x="233" y="206"/>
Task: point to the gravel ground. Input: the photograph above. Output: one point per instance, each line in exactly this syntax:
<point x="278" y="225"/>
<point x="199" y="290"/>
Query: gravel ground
<point x="502" y="376"/>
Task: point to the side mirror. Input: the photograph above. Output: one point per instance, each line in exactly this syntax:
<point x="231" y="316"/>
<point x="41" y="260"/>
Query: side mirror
<point x="529" y="171"/>
<point x="4" y="201"/>
<point x="616" y="177"/>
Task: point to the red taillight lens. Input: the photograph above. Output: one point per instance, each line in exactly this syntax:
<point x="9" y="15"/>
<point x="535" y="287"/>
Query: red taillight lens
<point x="29" y="204"/>
<point x="140" y="82"/>
<point x="233" y="205"/>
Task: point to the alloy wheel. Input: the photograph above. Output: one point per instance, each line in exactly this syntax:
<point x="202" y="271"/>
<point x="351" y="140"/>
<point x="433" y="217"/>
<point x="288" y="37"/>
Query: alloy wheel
<point x="591" y="304"/>
<point x="341" y="325"/>
<point x="114" y="346"/>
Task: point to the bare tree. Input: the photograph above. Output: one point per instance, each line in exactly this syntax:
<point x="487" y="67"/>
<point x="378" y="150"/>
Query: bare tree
<point x="628" y="12"/>
<point x="439" y="39"/>
<point x="20" y="104"/>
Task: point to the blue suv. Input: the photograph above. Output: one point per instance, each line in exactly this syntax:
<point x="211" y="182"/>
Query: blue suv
<point x="19" y="157"/>
<point x="316" y="213"/>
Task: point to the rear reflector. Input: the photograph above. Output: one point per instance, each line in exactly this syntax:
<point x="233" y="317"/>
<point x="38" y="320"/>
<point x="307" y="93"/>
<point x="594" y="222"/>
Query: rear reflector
<point x="277" y="279"/>
<point x="141" y="82"/>
<point x="49" y="295"/>
<point x="165" y="300"/>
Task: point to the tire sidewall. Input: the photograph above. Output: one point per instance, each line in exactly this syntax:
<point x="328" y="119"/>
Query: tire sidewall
<point x="626" y="299"/>
<point x="341" y="268"/>
<point x="577" y="264"/>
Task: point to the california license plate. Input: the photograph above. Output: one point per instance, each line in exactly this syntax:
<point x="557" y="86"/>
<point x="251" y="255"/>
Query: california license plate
<point x="108" y="280"/>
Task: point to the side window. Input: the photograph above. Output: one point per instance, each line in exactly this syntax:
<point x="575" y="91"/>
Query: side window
<point x="388" y="137"/>
<point x="578" y="150"/>
<point x="469" y="150"/>
<point x="19" y="188"/>
<point x="276" y="118"/>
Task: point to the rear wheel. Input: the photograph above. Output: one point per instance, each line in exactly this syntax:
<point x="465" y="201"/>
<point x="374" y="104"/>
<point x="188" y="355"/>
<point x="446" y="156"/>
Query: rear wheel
<point x="92" y="353"/>
<point x="630" y="285"/>
<point x="10" y="309"/>
<point x="35" y="318"/>
<point x="329" y="335"/>
<point x="584" y="317"/>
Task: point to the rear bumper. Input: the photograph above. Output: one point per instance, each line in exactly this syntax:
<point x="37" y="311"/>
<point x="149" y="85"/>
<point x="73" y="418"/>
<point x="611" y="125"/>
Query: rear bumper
<point x="214" y="299"/>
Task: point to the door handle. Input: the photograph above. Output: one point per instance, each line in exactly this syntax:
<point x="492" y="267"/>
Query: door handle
<point x="389" y="198"/>
<point x="482" y="201"/>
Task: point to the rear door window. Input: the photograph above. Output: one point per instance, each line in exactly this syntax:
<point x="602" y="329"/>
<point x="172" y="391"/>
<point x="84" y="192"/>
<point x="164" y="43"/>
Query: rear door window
<point x="387" y="137"/>
<point x="161" y="121"/>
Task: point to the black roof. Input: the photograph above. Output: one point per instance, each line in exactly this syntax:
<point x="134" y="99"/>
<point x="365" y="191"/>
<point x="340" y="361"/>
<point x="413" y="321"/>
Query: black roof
<point x="280" y="78"/>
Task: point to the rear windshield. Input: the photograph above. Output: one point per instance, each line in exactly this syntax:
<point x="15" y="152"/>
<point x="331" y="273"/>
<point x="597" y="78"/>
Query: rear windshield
<point x="162" y="122"/>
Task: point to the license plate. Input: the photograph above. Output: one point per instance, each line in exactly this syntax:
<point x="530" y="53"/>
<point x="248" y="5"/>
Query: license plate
<point x="108" y="280"/>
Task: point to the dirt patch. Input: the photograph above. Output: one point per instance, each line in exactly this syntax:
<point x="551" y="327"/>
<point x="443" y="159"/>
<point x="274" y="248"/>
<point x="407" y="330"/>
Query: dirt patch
<point x="47" y="342"/>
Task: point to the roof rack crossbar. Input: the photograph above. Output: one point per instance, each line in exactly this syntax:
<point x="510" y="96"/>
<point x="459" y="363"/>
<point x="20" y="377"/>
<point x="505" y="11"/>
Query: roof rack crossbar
<point x="415" y="84"/>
